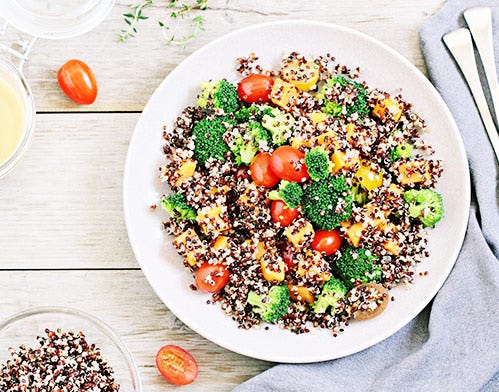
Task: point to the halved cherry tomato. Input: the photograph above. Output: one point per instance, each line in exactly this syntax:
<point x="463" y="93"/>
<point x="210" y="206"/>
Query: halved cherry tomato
<point x="255" y="88"/>
<point x="326" y="242"/>
<point x="176" y="365"/>
<point x="288" y="163"/>
<point x="282" y="213"/>
<point x="261" y="172"/>
<point x="77" y="81"/>
<point x="288" y="255"/>
<point x="211" y="278"/>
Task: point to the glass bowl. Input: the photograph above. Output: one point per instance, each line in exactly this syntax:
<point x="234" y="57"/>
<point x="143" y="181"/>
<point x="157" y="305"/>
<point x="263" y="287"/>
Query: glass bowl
<point x="16" y="82"/>
<point x="24" y="327"/>
<point x="55" y="18"/>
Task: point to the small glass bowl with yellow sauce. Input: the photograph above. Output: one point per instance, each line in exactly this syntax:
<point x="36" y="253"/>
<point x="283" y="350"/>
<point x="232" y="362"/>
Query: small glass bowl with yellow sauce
<point x="17" y="112"/>
<point x="50" y="19"/>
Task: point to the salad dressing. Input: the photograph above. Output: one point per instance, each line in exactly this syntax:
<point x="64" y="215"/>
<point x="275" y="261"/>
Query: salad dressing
<point x="12" y="119"/>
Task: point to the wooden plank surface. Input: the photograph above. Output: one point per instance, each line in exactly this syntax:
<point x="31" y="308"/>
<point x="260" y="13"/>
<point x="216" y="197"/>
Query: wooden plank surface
<point x="124" y="300"/>
<point x="64" y="200"/>
<point x="128" y="73"/>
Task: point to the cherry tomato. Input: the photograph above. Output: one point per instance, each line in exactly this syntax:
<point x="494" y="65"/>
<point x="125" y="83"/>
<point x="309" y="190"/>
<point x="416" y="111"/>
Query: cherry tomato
<point x="77" y="81"/>
<point x="176" y="365"/>
<point x="211" y="278"/>
<point x="288" y="255"/>
<point x="326" y="242"/>
<point x="261" y="172"/>
<point x="288" y="163"/>
<point x="282" y="214"/>
<point x="255" y="88"/>
<point x="243" y="172"/>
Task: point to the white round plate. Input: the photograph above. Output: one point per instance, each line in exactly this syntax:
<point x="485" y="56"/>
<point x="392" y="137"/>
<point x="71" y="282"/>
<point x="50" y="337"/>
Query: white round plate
<point x="381" y="67"/>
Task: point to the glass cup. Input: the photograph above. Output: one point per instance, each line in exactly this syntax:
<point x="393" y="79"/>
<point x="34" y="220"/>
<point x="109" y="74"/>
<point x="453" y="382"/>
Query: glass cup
<point x="53" y="19"/>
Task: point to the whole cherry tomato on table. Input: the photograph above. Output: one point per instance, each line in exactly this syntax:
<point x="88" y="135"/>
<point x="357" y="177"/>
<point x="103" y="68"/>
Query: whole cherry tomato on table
<point x="77" y="81"/>
<point x="282" y="213"/>
<point x="211" y="278"/>
<point x="261" y="172"/>
<point x="176" y="365"/>
<point x="255" y="88"/>
<point x="288" y="163"/>
<point x="326" y="242"/>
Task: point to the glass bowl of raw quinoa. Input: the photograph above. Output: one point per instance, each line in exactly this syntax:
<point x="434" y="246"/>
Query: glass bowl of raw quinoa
<point x="59" y="348"/>
<point x="219" y="257"/>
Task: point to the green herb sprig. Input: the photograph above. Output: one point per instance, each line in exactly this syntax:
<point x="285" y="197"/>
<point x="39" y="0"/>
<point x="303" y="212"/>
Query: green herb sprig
<point x="175" y="11"/>
<point x="131" y="19"/>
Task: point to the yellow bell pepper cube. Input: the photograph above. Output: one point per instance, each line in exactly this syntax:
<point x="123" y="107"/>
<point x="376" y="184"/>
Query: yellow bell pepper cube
<point x="302" y="76"/>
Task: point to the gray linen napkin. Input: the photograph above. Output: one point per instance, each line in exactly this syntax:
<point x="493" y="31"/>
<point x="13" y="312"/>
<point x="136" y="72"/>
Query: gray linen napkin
<point x="453" y="344"/>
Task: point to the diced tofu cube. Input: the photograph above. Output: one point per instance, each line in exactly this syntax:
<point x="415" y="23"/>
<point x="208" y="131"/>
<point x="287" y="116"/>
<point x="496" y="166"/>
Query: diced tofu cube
<point x="189" y="245"/>
<point x="213" y="220"/>
<point x="414" y="172"/>
<point x="298" y="142"/>
<point x="186" y="170"/>
<point x="300" y="232"/>
<point x="392" y="246"/>
<point x="387" y="105"/>
<point x="314" y="266"/>
<point x="301" y="294"/>
<point x="260" y="250"/>
<point x="328" y="140"/>
<point x="344" y="160"/>
<point x="354" y="233"/>
<point x="318" y="117"/>
<point x="350" y="130"/>
<point x="221" y="242"/>
<point x="284" y="94"/>
<point x="273" y="268"/>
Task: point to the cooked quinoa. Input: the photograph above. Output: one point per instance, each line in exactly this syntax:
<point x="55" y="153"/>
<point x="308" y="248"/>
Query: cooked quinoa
<point x="233" y="226"/>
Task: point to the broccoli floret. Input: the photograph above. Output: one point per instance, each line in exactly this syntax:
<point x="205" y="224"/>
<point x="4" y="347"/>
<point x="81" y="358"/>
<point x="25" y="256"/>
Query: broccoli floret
<point x="318" y="163"/>
<point x="331" y="293"/>
<point x="176" y="205"/>
<point x="332" y="108"/>
<point x="403" y="150"/>
<point x="252" y="112"/>
<point x="279" y="124"/>
<point x="357" y="264"/>
<point x="289" y="192"/>
<point x="221" y="94"/>
<point x="272" y="306"/>
<point x="359" y="194"/>
<point x="208" y="139"/>
<point x="245" y="147"/>
<point x="425" y="205"/>
<point x="327" y="203"/>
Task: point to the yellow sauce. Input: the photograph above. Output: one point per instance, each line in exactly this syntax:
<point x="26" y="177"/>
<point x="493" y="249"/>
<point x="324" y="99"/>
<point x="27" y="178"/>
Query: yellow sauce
<point x="12" y="119"/>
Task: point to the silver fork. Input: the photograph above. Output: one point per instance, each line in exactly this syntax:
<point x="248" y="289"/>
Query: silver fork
<point x="479" y="21"/>
<point x="460" y="45"/>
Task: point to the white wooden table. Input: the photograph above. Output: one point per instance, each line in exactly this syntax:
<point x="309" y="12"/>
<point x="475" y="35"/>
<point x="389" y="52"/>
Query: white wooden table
<point x="62" y="233"/>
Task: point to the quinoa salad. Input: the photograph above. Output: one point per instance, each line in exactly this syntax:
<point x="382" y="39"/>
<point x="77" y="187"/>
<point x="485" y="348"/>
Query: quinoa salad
<point x="299" y="196"/>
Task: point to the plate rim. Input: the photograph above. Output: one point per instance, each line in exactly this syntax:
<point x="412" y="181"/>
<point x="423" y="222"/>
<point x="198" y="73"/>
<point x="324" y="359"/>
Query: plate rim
<point x="466" y="189"/>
